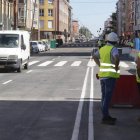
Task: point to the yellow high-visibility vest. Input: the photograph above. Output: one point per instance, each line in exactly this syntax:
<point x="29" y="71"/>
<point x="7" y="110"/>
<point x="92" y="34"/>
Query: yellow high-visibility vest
<point x="107" y="69"/>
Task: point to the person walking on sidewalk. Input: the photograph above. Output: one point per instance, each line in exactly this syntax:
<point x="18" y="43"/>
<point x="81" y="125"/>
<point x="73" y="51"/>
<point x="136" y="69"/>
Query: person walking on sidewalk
<point x="107" y="58"/>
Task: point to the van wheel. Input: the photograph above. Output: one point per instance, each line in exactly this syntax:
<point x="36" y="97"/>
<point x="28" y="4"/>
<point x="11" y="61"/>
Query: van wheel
<point x="26" y="66"/>
<point x="19" y="69"/>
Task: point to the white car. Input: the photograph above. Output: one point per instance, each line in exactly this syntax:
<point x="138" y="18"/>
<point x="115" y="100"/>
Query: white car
<point x="47" y="45"/>
<point x="37" y="46"/>
<point x="42" y="46"/>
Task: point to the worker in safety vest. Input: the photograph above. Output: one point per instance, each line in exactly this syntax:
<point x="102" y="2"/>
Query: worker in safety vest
<point x="138" y="69"/>
<point x="130" y="43"/>
<point x="107" y="58"/>
<point x="138" y="73"/>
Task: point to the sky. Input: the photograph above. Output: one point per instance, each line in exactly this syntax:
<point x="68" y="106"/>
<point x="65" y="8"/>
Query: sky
<point x="92" y="13"/>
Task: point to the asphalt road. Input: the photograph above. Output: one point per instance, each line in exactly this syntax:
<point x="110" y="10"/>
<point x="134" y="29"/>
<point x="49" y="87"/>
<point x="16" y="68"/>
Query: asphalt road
<point x="58" y="98"/>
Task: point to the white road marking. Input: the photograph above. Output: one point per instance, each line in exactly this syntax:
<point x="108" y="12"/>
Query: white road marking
<point x="7" y="82"/>
<point x="79" y="111"/>
<point x="90" y="120"/>
<point x="45" y="63"/>
<point x="76" y="63"/>
<point x="123" y="64"/>
<point x="61" y="63"/>
<point x="29" y="71"/>
<point x="91" y="63"/>
<point x="33" y="62"/>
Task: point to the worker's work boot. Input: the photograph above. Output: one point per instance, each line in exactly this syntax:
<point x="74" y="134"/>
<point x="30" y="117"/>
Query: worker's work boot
<point x="109" y="120"/>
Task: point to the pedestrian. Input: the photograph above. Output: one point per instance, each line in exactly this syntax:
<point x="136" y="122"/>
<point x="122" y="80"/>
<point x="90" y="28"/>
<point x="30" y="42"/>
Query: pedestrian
<point x="101" y="42"/>
<point x="107" y="58"/>
<point x="138" y="73"/>
<point x="138" y="70"/>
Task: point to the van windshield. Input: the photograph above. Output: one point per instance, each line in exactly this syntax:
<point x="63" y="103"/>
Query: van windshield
<point x="9" y="40"/>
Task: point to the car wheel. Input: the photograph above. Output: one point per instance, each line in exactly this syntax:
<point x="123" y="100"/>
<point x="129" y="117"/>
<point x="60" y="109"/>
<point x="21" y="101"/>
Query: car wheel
<point x="26" y="66"/>
<point x="19" y="69"/>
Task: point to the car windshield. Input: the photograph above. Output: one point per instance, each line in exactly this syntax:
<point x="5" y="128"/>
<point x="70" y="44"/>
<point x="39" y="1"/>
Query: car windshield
<point x="9" y="40"/>
<point x="33" y="43"/>
<point x="39" y="43"/>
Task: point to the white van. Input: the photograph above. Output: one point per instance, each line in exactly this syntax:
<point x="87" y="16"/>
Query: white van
<point x="14" y="49"/>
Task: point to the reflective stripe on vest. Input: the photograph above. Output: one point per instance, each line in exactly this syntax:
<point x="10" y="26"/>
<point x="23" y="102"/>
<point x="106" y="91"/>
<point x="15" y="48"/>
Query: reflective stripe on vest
<point x="107" y="69"/>
<point x="137" y="78"/>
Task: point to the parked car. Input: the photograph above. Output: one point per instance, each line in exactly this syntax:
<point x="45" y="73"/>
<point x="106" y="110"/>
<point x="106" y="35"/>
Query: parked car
<point x="34" y="47"/>
<point x="42" y="45"/>
<point x="37" y="46"/>
<point x="47" y="46"/>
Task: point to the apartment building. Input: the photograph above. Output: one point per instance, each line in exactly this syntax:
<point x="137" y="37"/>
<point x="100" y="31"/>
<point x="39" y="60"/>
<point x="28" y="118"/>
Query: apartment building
<point x="130" y="18"/>
<point x="137" y="18"/>
<point x="107" y="24"/>
<point x="55" y="19"/>
<point x="28" y="14"/>
<point x="6" y="14"/>
<point x="75" y="28"/>
<point x="121" y="8"/>
<point x="46" y="18"/>
<point x="63" y="19"/>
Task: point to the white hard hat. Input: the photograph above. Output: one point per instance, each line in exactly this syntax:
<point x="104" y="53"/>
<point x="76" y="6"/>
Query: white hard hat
<point x="113" y="37"/>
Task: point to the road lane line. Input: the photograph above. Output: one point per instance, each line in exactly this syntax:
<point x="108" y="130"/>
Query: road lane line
<point x="7" y="82"/>
<point x="61" y="63"/>
<point x="33" y="62"/>
<point x="90" y="120"/>
<point x="91" y="63"/>
<point x="75" y="133"/>
<point x="76" y="63"/>
<point x="45" y="63"/>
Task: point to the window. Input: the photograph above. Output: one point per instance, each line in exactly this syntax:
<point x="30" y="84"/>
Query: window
<point x="41" y="2"/>
<point x="41" y="23"/>
<point x="50" y="24"/>
<point x="21" y="12"/>
<point x="41" y="12"/>
<point x="50" y="12"/>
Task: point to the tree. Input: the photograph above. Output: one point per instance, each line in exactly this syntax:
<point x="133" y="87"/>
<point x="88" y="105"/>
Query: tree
<point x="114" y="22"/>
<point x="85" y="31"/>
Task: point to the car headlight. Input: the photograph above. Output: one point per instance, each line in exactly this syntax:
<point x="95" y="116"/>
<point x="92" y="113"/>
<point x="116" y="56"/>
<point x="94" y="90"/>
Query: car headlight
<point x="12" y="57"/>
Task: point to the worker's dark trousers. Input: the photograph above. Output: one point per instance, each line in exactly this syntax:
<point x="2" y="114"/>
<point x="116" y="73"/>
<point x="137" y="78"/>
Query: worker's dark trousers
<point x="107" y="87"/>
<point x="138" y="84"/>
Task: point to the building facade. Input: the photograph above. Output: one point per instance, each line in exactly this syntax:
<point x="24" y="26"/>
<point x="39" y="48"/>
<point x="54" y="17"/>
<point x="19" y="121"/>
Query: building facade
<point x="137" y="18"/>
<point x="130" y="18"/>
<point x="63" y="21"/>
<point x="46" y="18"/>
<point x="75" y="29"/>
<point x="121" y="17"/>
<point x="6" y="14"/>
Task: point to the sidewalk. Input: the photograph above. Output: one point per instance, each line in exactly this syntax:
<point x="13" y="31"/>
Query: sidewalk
<point x="127" y="126"/>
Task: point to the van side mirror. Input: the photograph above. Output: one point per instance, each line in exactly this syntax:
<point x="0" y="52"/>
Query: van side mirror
<point x="23" y="46"/>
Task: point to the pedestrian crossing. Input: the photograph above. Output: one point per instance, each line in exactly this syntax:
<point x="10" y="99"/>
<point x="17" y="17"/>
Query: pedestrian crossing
<point x="74" y="63"/>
